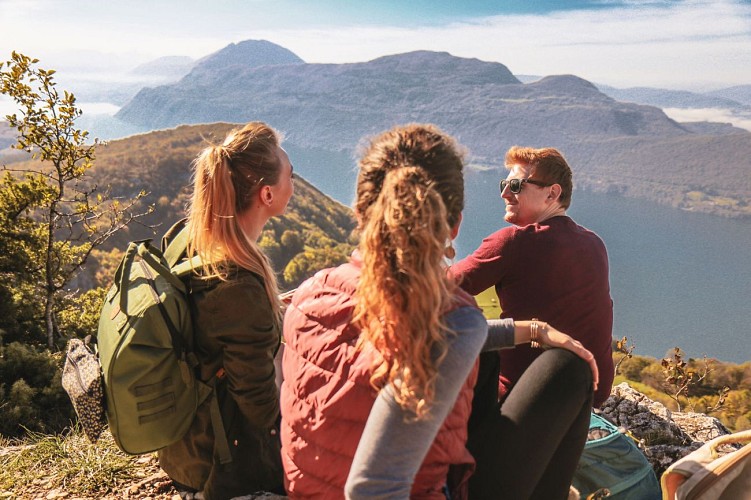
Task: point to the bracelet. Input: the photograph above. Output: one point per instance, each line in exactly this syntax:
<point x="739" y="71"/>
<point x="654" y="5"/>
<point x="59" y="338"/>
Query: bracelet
<point x="534" y="334"/>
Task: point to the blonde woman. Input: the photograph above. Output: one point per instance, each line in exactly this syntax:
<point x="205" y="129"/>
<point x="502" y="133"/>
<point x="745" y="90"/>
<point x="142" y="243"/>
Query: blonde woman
<point x="381" y="352"/>
<point x="238" y="185"/>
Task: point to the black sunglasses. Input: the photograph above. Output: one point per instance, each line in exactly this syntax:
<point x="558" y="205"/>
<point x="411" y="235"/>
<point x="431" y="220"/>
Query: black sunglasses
<point x="515" y="185"/>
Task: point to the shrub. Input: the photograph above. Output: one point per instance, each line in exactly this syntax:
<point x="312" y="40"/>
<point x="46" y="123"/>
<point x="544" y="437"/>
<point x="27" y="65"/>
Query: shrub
<point x="80" y="314"/>
<point x="31" y="395"/>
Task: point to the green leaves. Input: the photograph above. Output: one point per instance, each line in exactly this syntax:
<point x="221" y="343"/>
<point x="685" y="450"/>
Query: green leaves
<point x="51" y="214"/>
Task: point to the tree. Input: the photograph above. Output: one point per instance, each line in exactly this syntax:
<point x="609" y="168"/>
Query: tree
<point x="51" y="211"/>
<point x="307" y="263"/>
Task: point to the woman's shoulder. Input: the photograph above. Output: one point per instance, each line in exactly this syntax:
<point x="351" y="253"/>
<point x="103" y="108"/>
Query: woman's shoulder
<point x="466" y="319"/>
<point x="470" y="331"/>
<point x="465" y="315"/>
<point x="241" y="289"/>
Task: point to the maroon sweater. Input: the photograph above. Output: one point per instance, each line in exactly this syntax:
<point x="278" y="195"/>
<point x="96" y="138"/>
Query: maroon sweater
<point x="557" y="271"/>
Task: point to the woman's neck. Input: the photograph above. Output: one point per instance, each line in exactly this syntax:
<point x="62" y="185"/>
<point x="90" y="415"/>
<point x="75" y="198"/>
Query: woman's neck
<point x="252" y="222"/>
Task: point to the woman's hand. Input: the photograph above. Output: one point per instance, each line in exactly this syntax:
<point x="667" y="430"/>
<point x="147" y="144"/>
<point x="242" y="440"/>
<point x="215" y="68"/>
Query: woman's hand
<point x="550" y="337"/>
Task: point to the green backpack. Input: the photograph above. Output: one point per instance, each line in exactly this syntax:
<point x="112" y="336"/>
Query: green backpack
<point x="145" y="344"/>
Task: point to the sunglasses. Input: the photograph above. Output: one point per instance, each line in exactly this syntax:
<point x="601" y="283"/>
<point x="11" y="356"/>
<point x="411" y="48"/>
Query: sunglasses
<point x="515" y="185"/>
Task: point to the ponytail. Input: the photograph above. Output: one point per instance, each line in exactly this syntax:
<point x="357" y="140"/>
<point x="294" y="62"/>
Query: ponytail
<point x="404" y="289"/>
<point x="225" y="179"/>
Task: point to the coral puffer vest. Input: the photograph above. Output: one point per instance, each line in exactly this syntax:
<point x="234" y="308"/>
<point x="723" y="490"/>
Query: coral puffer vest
<point x="326" y="395"/>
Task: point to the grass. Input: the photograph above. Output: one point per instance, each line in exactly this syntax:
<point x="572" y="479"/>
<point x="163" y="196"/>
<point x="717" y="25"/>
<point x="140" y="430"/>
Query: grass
<point x="68" y="462"/>
<point x="489" y="303"/>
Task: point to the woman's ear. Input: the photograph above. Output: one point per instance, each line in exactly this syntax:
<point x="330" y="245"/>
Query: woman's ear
<point x="266" y="195"/>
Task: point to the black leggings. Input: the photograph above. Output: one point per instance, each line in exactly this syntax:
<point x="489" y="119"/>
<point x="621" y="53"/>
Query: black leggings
<point x="528" y="446"/>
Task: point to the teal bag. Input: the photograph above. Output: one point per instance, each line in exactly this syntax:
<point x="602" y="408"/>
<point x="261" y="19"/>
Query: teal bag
<point x="613" y="467"/>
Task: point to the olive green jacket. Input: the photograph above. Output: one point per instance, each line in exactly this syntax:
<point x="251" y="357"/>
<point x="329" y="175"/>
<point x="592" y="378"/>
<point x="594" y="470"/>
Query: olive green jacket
<point x="237" y="338"/>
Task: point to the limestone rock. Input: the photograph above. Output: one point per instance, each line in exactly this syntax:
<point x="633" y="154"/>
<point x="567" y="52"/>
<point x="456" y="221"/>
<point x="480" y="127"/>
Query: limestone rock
<point x="664" y="436"/>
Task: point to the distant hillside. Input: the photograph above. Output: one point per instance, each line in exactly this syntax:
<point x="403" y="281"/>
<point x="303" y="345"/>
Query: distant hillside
<point x="740" y="93"/>
<point x="665" y="98"/>
<point x="314" y="232"/>
<point x="170" y="68"/>
<point x="9" y="155"/>
<point x="631" y="149"/>
<point x="7" y="135"/>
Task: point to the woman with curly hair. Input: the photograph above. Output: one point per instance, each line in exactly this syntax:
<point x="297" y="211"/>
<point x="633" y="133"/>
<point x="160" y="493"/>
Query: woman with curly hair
<point x="381" y="352"/>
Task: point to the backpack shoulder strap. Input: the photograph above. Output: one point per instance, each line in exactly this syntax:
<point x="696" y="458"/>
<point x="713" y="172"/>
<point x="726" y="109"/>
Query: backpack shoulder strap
<point x="176" y="248"/>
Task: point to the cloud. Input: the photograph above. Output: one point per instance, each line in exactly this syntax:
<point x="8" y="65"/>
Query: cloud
<point x="689" y="44"/>
<point x="676" y="44"/>
<point x="717" y="115"/>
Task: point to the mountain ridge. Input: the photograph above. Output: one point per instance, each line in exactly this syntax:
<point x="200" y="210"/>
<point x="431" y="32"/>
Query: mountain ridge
<point x="336" y="106"/>
<point x="248" y="53"/>
<point x="666" y="98"/>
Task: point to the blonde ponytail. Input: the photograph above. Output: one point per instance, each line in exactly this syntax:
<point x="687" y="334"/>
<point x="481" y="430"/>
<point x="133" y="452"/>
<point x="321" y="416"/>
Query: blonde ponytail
<point x="225" y="179"/>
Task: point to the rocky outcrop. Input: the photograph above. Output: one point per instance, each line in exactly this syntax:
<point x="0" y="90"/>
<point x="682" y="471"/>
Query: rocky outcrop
<point x="664" y="436"/>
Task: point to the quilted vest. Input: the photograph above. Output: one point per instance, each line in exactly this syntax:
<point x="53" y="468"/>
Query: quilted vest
<point x="326" y="395"/>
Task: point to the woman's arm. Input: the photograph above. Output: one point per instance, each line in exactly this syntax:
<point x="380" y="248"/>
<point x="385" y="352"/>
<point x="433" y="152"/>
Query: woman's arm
<point x="506" y="333"/>
<point x="393" y="444"/>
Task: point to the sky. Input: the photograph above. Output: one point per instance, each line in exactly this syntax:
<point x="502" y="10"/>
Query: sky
<point x="677" y="44"/>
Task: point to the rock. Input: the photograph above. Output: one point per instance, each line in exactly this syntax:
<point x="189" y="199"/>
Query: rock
<point x="700" y="427"/>
<point x="664" y="436"/>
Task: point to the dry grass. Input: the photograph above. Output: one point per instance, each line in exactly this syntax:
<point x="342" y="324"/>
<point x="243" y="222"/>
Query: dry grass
<point x="70" y="466"/>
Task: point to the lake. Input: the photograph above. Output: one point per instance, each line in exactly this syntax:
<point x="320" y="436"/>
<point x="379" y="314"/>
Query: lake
<point x="677" y="278"/>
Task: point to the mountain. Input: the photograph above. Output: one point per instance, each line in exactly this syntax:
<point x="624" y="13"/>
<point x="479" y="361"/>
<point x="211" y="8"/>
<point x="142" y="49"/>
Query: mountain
<point x="665" y="98"/>
<point x="626" y="148"/>
<point x="248" y="54"/>
<point x="740" y="93"/>
<point x="168" y="69"/>
<point x="333" y="106"/>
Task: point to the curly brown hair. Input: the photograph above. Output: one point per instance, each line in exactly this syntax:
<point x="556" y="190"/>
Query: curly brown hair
<point x="410" y="193"/>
